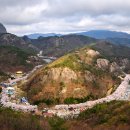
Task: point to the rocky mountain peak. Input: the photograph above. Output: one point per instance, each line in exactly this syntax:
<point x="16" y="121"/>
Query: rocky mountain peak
<point x="2" y="29"/>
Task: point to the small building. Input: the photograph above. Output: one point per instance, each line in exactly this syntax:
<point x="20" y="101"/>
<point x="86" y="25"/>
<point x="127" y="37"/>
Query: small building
<point x="19" y="74"/>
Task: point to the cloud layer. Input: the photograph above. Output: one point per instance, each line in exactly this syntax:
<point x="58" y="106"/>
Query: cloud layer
<point x="64" y="16"/>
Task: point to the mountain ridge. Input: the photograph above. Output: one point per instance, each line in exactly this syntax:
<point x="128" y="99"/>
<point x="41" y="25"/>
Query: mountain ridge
<point x="79" y="75"/>
<point x="58" y="46"/>
<point x="104" y="34"/>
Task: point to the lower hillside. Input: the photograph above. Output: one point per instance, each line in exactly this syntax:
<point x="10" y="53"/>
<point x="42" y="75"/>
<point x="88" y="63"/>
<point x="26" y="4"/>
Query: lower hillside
<point x="108" y="116"/>
<point x="86" y="74"/>
<point x="12" y="120"/>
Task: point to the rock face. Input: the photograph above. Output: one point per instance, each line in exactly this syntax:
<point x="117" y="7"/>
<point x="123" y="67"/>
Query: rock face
<point x="102" y="63"/>
<point x="2" y="29"/>
<point x="116" y="66"/>
<point x="62" y="74"/>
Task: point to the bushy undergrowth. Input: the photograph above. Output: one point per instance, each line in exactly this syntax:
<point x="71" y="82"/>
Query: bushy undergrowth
<point x="112" y="113"/>
<point x="57" y="123"/>
<point x="12" y="120"/>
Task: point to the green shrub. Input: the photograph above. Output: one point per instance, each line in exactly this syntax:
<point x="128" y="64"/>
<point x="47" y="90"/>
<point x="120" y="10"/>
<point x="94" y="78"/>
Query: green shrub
<point x="72" y="100"/>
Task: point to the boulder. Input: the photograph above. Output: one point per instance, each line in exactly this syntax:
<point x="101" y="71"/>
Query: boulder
<point x="92" y="53"/>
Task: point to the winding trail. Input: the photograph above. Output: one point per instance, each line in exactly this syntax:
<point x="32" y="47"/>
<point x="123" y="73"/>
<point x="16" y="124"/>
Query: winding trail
<point x="63" y="110"/>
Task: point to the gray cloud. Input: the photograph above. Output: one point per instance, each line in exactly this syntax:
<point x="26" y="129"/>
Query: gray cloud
<point x="62" y="16"/>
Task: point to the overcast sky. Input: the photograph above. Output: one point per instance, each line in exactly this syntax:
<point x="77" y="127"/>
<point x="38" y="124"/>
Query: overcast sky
<point x="63" y="16"/>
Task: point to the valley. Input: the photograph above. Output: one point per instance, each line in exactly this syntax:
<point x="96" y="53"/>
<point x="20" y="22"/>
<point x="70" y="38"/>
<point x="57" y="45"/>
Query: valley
<point x="64" y="82"/>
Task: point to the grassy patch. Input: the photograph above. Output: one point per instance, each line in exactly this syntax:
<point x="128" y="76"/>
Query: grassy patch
<point x="69" y="61"/>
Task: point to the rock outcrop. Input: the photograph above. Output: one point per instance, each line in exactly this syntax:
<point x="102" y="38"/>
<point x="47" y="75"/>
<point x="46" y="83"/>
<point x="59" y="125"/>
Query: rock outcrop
<point x="92" y="53"/>
<point x="2" y="29"/>
<point x="103" y="63"/>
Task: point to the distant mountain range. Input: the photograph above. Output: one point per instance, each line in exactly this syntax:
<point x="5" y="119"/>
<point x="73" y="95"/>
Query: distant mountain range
<point x="98" y="34"/>
<point x="104" y="34"/>
<point x="37" y="35"/>
<point x="120" y="38"/>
